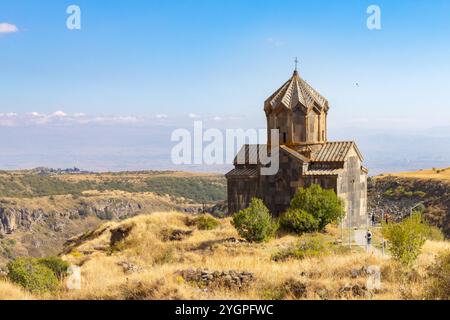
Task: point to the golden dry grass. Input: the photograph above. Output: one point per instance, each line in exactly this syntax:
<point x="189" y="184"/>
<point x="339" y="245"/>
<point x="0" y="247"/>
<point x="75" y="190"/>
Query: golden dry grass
<point x="435" y="174"/>
<point x="133" y="176"/>
<point x="159" y="259"/>
<point x="8" y="291"/>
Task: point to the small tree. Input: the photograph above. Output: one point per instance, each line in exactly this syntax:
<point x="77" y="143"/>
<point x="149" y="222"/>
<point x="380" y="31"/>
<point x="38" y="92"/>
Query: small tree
<point x="438" y="287"/>
<point x="57" y="265"/>
<point x="406" y="238"/>
<point x="298" y="221"/>
<point x="255" y="223"/>
<point x="32" y="275"/>
<point x="323" y="205"/>
<point x="206" y="222"/>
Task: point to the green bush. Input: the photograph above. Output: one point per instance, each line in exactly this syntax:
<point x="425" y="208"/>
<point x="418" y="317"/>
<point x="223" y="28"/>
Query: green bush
<point x="323" y="205"/>
<point x="309" y="247"/>
<point x="435" y="234"/>
<point x="57" y="265"/>
<point x="437" y="287"/>
<point x="206" y="222"/>
<point x="255" y="223"/>
<point x="406" y="238"/>
<point x="419" y="194"/>
<point x="298" y="221"/>
<point x="32" y="275"/>
<point x="400" y="192"/>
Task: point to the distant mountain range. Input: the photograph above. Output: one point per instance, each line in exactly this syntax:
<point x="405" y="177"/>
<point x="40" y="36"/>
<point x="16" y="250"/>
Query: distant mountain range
<point x="126" y="147"/>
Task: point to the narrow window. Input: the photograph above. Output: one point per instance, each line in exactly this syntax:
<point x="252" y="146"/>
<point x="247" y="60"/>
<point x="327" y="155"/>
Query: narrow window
<point x="284" y="137"/>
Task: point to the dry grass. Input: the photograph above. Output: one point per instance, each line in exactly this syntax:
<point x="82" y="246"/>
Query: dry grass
<point x="158" y="259"/>
<point x="133" y="176"/>
<point x="9" y="291"/>
<point x="435" y="174"/>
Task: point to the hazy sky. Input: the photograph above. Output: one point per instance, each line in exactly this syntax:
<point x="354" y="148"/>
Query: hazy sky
<point x="219" y="58"/>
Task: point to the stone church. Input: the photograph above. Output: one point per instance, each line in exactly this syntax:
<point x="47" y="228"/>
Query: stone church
<point x="306" y="157"/>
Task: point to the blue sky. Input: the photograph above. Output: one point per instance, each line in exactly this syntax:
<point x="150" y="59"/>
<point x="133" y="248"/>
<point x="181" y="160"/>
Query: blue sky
<point x="138" y="69"/>
<point x="225" y="57"/>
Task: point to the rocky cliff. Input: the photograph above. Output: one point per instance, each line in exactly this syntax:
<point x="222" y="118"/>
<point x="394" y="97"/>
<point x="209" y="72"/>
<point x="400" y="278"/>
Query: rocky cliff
<point x="40" y="226"/>
<point x="13" y="219"/>
<point x="395" y="196"/>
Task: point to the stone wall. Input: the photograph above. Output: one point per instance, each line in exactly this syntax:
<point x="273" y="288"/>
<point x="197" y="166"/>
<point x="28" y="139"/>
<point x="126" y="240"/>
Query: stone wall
<point x="240" y="192"/>
<point x="352" y="188"/>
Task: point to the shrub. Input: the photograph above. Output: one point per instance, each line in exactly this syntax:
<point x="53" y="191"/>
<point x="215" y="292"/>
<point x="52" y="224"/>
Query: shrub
<point x="306" y="248"/>
<point x="32" y="275"/>
<point x="406" y="238"/>
<point x="298" y="221"/>
<point x="255" y="223"/>
<point x="206" y="222"/>
<point x="438" y="287"/>
<point x="290" y="288"/>
<point x="57" y="265"/>
<point x="435" y="234"/>
<point x="322" y="204"/>
<point x="419" y="194"/>
<point x="165" y="257"/>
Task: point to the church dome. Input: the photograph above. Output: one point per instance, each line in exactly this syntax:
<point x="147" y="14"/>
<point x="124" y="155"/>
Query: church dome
<point x="296" y="92"/>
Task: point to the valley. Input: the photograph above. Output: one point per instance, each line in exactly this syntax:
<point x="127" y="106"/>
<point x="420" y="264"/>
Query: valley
<point x="40" y="210"/>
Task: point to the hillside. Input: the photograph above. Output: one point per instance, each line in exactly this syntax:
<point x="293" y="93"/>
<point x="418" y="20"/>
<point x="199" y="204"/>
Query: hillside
<point x="442" y="174"/>
<point x="37" y="183"/>
<point x="41" y="209"/>
<point x="166" y="256"/>
<point x="395" y="195"/>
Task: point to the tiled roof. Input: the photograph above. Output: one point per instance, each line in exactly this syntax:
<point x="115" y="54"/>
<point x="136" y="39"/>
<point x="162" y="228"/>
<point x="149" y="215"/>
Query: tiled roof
<point x="323" y="172"/>
<point x="334" y="152"/>
<point x="243" y="172"/>
<point x="296" y="91"/>
<point x="249" y="154"/>
<point x="294" y="153"/>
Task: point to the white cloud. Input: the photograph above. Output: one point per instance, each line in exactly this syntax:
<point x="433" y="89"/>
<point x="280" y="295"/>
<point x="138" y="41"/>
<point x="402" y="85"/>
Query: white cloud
<point x="193" y="116"/>
<point x="60" y="114"/>
<point x="8" y="28"/>
<point x="36" y="114"/>
<point x="107" y="120"/>
<point x="63" y="118"/>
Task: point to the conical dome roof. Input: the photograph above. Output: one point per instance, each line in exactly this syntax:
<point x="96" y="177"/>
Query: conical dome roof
<point x="294" y="92"/>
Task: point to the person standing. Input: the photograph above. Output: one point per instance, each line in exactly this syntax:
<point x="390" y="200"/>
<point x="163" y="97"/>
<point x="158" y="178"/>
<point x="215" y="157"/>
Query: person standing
<point x="369" y="240"/>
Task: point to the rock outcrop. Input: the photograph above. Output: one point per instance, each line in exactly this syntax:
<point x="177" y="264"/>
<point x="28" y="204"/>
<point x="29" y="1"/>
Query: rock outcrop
<point x="13" y="218"/>
<point x="212" y="279"/>
<point x="396" y="196"/>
